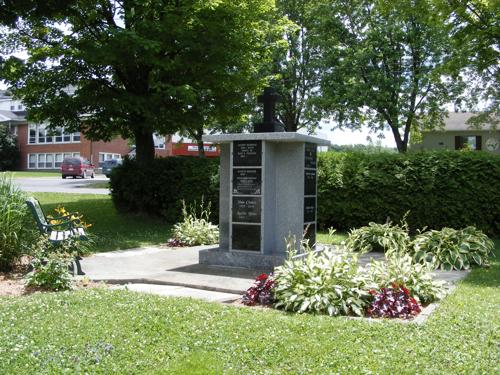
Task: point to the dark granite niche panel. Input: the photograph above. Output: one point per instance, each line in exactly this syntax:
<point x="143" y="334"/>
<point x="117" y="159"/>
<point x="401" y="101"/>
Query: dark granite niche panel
<point x="247" y="181"/>
<point x="247" y="153"/>
<point x="246" y="237"/>
<point x="246" y="209"/>
<point x="309" y="182"/>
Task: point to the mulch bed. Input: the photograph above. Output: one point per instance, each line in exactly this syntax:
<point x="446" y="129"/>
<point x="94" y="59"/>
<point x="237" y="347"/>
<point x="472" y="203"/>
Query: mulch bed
<point x="13" y="284"/>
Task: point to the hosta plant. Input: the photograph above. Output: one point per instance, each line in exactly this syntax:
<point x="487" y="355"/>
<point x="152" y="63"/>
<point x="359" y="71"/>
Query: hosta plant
<point x="195" y="228"/>
<point x="261" y="292"/>
<point x="401" y="270"/>
<point x="393" y="302"/>
<point x="379" y="237"/>
<point x="450" y="249"/>
<point x="322" y="283"/>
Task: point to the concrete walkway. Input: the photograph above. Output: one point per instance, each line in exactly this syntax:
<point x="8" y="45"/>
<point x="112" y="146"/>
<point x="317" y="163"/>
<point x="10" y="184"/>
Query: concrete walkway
<point x="167" y="266"/>
<point x="176" y="272"/>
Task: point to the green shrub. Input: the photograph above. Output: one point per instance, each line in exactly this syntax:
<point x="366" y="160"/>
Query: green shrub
<point x="440" y="189"/>
<point x="49" y="267"/>
<point x="16" y="224"/>
<point x="159" y="187"/>
<point x="401" y="270"/>
<point x="322" y="283"/>
<point x="450" y="249"/>
<point x="9" y="151"/>
<point x="378" y="237"/>
<point x="195" y="227"/>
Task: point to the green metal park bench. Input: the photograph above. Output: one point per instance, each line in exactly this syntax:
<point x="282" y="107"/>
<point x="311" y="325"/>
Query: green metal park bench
<point x="65" y="228"/>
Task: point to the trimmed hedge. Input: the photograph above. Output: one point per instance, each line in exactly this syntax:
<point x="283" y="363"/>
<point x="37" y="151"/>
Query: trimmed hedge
<point x="159" y="188"/>
<point x="440" y="189"/>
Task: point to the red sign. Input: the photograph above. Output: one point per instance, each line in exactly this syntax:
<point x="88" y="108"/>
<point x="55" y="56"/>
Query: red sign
<point x="191" y="149"/>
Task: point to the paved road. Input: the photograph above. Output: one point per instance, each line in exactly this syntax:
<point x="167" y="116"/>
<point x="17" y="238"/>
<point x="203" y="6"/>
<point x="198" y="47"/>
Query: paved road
<point x="58" y="185"/>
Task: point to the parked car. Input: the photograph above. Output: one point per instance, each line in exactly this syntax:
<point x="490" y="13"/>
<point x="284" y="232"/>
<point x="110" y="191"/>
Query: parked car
<point x="108" y="165"/>
<point x="77" y="167"/>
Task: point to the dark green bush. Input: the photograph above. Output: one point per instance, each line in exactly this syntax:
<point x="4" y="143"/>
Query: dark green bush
<point x="440" y="189"/>
<point x="9" y="151"/>
<point x="160" y="187"/>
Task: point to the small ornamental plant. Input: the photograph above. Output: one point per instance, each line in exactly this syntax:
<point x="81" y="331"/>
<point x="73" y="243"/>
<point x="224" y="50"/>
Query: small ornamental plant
<point x="394" y="302"/>
<point x="195" y="228"/>
<point x="261" y="292"/>
<point x="75" y="218"/>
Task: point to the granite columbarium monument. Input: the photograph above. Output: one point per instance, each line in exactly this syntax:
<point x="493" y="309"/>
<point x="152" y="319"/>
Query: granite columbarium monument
<point x="267" y="192"/>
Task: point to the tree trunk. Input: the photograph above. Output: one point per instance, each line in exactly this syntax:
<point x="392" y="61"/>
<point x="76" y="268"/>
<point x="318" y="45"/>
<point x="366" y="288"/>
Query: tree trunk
<point x="201" y="148"/>
<point x="144" y="146"/>
<point x="199" y="142"/>
<point x="400" y="143"/>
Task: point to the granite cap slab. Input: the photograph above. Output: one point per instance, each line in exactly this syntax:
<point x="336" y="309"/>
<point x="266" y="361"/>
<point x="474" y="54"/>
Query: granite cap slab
<point x="269" y="137"/>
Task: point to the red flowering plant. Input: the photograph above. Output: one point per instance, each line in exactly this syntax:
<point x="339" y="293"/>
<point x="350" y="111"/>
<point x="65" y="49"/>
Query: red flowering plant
<point x="261" y="292"/>
<point x="393" y="302"/>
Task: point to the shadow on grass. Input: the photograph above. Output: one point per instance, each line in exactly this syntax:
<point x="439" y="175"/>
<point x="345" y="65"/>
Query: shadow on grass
<point x="489" y="276"/>
<point x="114" y="230"/>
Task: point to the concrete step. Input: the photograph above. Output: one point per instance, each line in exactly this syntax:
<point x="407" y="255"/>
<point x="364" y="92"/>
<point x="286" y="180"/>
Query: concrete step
<point x="179" y="291"/>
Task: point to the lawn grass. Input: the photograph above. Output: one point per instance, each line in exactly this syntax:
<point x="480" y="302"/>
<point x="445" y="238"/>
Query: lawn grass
<point x="336" y="238"/>
<point x="97" y="185"/>
<point x="33" y="174"/>
<point x="118" y="231"/>
<point x="113" y="230"/>
<point x="118" y="332"/>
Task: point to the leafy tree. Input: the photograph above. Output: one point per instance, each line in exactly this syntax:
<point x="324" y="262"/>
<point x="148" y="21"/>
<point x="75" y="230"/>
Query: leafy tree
<point x="135" y="67"/>
<point x="383" y="64"/>
<point x="9" y="152"/>
<point x="296" y="70"/>
<point x="476" y="46"/>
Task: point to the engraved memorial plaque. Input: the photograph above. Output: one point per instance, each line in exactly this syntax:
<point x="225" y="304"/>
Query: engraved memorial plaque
<point x="246" y="209"/>
<point x="247" y="181"/>
<point x="247" y="153"/>
<point x="310" y="157"/>
<point x="246" y="237"/>
<point x="309" y="182"/>
<point x="309" y="209"/>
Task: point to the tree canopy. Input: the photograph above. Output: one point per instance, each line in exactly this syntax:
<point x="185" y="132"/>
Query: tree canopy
<point x="383" y="64"/>
<point x="475" y="36"/>
<point x="296" y="68"/>
<point x="136" y="67"/>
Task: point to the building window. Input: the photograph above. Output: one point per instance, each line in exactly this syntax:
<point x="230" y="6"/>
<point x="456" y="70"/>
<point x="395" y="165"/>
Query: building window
<point x="12" y="107"/>
<point x="20" y="107"/>
<point x="159" y="141"/>
<point x="468" y="142"/>
<point x="58" y="160"/>
<point x="32" y="136"/>
<point x="32" y="161"/>
<point x="13" y="129"/>
<point x="48" y="161"/>
<point x="107" y="156"/>
<point x="39" y="134"/>
<point x="58" y="135"/>
<point x="41" y="161"/>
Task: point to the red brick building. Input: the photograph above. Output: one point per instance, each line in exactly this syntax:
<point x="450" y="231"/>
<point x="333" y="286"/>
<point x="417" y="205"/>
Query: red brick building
<point x="41" y="149"/>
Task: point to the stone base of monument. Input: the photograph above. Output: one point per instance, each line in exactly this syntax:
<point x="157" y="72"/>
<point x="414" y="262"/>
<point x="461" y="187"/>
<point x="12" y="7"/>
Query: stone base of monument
<point x="218" y="257"/>
<point x="267" y="197"/>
